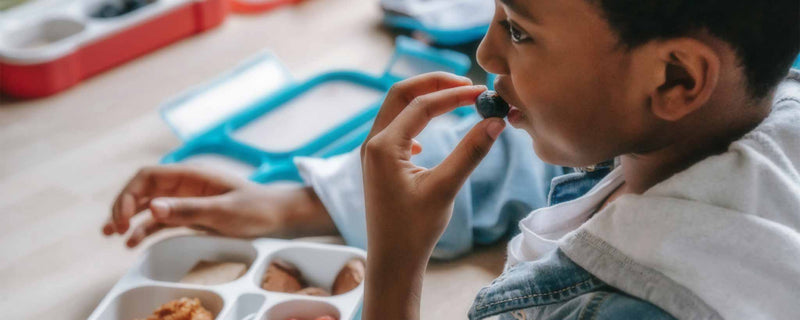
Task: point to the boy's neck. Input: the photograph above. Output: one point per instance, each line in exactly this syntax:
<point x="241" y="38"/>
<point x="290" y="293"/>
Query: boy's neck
<point x="709" y="136"/>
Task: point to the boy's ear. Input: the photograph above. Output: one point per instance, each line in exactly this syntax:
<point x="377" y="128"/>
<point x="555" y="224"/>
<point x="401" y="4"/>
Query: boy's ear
<point x="688" y="71"/>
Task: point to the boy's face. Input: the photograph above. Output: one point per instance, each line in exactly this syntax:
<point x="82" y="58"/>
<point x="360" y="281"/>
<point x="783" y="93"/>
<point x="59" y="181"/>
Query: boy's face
<point x="575" y="90"/>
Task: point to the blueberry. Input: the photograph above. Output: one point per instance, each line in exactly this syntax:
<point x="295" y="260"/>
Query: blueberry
<point x="490" y="104"/>
<point x="108" y="10"/>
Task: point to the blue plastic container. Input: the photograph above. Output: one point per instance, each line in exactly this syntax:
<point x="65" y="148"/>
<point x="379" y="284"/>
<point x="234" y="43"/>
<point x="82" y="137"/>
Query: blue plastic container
<point x="208" y="123"/>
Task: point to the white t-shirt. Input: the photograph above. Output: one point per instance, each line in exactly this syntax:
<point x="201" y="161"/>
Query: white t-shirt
<point x="542" y="228"/>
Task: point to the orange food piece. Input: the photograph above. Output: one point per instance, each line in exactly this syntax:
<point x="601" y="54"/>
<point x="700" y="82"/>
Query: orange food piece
<point x="182" y="309"/>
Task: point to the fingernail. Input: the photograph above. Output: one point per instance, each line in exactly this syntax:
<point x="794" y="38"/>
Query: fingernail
<point x="159" y="208"/>
<point x="495" y="127"/>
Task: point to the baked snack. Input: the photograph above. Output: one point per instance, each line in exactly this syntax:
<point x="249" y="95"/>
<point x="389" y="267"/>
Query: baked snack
<point x="182" y="309"/>
<point x="214" y="272"/>
<point x="351" y="275"/>
<point x="282" y="276"/>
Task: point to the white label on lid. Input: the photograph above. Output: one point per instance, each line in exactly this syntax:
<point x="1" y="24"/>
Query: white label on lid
<point x="227" y="98"/>
<point x="306" y="117"/>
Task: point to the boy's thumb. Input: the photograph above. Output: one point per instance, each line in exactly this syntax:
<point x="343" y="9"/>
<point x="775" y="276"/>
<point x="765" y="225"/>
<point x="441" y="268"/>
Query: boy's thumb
<point x="455" y="169"/>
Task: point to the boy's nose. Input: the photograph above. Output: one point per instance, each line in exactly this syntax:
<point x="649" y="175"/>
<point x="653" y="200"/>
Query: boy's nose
<point x="490" y="52"/>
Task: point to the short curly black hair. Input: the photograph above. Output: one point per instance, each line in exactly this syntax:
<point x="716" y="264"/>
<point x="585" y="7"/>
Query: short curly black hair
<point x="764" y="33"/>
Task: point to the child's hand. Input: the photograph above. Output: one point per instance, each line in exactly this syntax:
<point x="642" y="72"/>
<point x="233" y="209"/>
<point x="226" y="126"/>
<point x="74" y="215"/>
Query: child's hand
<point x="408" y="207"/>
<point x="194" y="197"/>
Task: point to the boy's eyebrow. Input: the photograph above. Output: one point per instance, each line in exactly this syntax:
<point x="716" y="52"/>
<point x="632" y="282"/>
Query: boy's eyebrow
<point x="519" y="9"/>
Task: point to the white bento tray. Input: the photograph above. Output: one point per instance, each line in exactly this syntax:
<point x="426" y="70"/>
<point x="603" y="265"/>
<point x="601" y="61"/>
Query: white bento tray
<point x="154" y="278"/>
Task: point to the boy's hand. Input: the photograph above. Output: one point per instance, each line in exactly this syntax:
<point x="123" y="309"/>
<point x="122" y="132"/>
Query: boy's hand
<point x="408" y="207"/>
<point x="179" y="195"/>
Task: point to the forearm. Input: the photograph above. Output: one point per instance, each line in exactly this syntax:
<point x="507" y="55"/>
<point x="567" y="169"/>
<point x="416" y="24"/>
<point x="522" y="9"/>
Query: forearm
<point x="393" y="285"/>
<point x="408" y="207"/>
<point x="307" y="215"/>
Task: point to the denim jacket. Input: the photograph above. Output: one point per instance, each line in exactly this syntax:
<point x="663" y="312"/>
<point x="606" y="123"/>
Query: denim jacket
<point x="554" y="287"/>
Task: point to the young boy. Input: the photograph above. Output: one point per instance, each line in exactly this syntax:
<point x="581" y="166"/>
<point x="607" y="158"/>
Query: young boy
<point x="699" y="220"/>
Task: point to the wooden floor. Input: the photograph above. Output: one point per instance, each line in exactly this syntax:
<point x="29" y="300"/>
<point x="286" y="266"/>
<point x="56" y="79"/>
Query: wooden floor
<point x="63" y="158"/>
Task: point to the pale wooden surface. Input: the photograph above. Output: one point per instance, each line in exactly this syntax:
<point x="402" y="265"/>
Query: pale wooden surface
<point x="63" y="158"/>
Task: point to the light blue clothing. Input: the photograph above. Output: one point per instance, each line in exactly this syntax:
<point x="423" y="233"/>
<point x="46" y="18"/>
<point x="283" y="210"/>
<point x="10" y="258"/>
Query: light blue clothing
<point x="553" y="288"/>
<point x="508" y="184"/>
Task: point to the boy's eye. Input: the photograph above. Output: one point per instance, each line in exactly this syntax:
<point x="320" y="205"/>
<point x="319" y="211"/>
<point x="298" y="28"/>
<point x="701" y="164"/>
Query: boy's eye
<point x="514" y="33"/>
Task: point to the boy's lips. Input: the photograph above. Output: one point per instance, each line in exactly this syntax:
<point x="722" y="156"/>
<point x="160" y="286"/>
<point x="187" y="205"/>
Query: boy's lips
<point x="514" y="115"/>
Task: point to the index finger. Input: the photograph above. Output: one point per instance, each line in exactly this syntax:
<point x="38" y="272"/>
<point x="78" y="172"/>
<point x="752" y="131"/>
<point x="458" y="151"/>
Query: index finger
<point x="403" y="92"/>
<point x="413" y="119"/>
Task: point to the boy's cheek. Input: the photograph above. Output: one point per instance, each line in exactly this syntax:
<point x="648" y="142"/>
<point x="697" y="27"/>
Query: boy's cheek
<point x="565" y="142"/>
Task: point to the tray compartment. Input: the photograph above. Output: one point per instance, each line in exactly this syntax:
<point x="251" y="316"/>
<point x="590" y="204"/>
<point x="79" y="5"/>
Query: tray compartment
<point x="43" y="33"/>
<point x="318" y="266"/>
<point x="139" y="303"/>
<point x="171" y="259"/>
